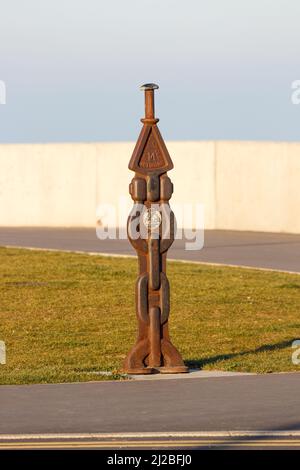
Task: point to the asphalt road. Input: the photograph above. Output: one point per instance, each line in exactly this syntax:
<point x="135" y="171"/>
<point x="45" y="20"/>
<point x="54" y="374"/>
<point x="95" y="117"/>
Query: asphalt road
<point x="185" y="413"/>
<point x="253" y="249"/>
<point x="250" y="402"/>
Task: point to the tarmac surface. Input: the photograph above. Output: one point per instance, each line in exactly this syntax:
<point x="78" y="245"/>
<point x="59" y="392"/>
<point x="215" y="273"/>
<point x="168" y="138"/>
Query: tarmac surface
<point x="277" y="251"/>
<point x="250" y="402"/>
<point x="164" y="413"/>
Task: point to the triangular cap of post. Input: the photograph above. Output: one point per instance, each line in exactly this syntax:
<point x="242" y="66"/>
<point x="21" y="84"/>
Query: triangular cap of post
<point x="150" y="154"/>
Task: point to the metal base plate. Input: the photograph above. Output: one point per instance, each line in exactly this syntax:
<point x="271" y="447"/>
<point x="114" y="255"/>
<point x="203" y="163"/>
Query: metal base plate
<point x="157" y="370"/>
<point x="173" y="370"/>
<point x="141" y="371"/>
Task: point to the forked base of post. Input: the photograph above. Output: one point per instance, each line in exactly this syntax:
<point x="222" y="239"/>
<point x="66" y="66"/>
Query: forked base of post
<point x="141" y="360"/>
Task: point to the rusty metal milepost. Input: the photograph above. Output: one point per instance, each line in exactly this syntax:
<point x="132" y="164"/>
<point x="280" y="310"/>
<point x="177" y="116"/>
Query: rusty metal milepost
<point x="150" y="228"/>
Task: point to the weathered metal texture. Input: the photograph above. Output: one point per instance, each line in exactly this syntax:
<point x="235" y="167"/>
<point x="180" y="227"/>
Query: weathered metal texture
<point x="150" y="228"/>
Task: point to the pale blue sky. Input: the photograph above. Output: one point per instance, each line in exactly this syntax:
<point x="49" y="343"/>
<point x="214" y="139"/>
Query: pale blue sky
<point x="72" y="68"/>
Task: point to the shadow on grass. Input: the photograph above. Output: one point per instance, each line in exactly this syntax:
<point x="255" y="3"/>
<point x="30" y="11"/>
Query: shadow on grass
<point x="201" y="362"/>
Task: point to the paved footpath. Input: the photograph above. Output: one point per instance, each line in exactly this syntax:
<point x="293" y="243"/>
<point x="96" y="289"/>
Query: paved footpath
<point x="254" y="249"/>
<point x="181" y="410"/>
<point x="250" y="402"/>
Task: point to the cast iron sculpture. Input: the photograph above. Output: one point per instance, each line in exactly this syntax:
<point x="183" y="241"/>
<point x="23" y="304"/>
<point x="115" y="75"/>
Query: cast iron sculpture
<point x="150" y="230"/>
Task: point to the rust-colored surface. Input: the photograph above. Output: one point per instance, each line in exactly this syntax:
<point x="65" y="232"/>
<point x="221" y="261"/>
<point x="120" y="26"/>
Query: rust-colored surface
<point x="150" y="230"/>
